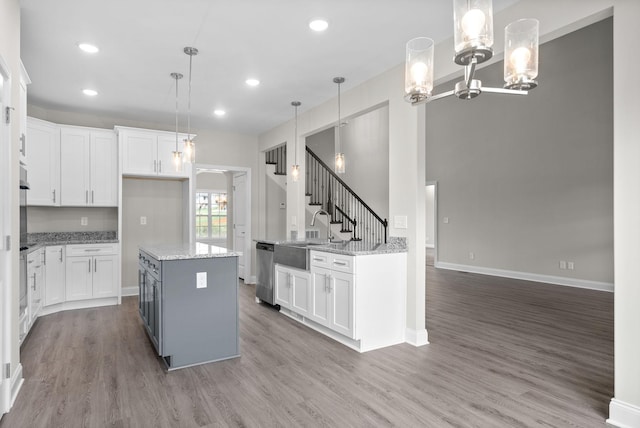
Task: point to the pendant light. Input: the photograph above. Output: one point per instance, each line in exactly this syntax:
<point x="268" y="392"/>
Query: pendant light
<point x="189" y="145"/>
<point x="339" y="166"/>
<point x="473" y="42"/>
<point x="295" y="168"/>
<point x="177" y="155"/>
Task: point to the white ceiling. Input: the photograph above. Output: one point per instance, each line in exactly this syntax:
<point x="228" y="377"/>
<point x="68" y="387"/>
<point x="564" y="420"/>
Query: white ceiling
<point x="141" y="42"/>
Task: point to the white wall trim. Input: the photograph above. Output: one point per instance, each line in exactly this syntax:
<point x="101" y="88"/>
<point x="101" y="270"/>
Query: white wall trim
<point x="251" y="280"/>
<point x="430" y="245"/>
<point x="129" y="291"/>
<point x="528" y="276"/>
<point x="623" y="415"/>
<point x="416" y="337"/>
<point x="16" y="383"/>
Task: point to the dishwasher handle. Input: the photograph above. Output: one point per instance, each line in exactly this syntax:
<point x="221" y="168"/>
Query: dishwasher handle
<point x="264" y="246"/>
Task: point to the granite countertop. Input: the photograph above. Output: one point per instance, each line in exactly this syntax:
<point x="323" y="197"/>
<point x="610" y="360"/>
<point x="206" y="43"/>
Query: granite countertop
<point x="349" y="248"/>
<point x="37" y="240"/>
<point x="185" y="251"/>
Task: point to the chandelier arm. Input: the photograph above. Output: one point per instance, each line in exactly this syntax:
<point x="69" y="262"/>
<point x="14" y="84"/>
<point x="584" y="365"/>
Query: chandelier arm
<point x="433" y="98"/>
<point x="470" y="71"/>
<point x="504" y="91"/>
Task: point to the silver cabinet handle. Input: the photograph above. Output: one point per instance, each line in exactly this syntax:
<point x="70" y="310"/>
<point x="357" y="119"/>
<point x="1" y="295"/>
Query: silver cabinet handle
<point x="86" y="196"/>
<point x="160" y="165"/>
<point x="89" y="265"/>
<point x="95" y="265"/>
<point x="90" y="250"/>
<point x="316" y="259"/>
<point x="60" y="255"/>
<point x="92" y="196"/>
<point x="44" y="257"/>
<point x="34" y="282"/>
<point x="54" y="196"/>
<point x="339" y="263"/>
<point x="23" y="147"/>
<point x="154" y="166"/>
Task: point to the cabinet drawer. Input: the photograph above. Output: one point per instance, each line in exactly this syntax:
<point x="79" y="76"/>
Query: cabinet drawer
<point x="91" y="249"/>
<point x="337" y="262"/>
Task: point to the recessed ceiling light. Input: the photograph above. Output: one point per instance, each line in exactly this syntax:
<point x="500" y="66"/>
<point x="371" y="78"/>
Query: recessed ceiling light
<point x="252" y="82"/>
<point x="90" y="92"/>
<point x="88" y="48"/>
<point x="318" y="24"/>
<point x="219" y="112"/>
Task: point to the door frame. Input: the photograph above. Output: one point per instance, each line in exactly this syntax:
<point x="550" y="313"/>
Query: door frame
<point x="7" y="254"/>
<point x="248" y="278"/>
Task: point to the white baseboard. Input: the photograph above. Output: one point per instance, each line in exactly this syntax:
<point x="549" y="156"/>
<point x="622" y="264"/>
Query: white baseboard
<point x="417" y="337"/>
<point x="16" y="383"/>
<point x="430" y="245"/>
<point x="251" y="280"/>
<point x="623" y="415"/>
<point x="527" y="276"/>
<point x="130" y="291"/>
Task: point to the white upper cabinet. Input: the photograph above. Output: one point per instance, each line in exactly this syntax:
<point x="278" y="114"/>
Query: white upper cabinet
<point x="150" y="153"/>
<point x="43" y="162"/>
<point x="24" y="81"/>
<point x="88" y="165"/>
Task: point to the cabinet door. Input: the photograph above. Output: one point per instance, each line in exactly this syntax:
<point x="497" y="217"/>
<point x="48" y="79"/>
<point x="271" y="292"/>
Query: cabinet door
<point x="319" y="307"/>
<point x="74" y="167"/>
<point x="166" y="165"/>
<point x="104" y="169"/>
<point x="300" y="291"/>
<point x="282" y="286"/>
<point x="38" y="288"/>
<point x="54" y="275"/>
<point x="23" y="116"/>
<point x="139" y="153"/>
<point x="43" y="163"/>
<point x="341" y="294"/>
<point x="105" y="270"/>
<point x="78" y="272"/>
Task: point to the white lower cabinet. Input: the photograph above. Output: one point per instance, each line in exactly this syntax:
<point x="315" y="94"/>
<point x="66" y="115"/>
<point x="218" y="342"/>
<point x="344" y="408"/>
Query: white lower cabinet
<point x="91" y="271"/>
<point x="54" y="275"/>
<point x="35" y="283"/>
<point x="292" y="289"/>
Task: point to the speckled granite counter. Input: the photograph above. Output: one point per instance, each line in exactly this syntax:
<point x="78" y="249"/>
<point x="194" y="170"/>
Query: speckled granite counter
<point x="64" y="238"/>
<point x="186" y="251"/>
<point x="349" y="248"/>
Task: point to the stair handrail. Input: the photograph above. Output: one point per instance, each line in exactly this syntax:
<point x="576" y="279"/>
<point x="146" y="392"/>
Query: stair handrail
<point x="346" y="186"/>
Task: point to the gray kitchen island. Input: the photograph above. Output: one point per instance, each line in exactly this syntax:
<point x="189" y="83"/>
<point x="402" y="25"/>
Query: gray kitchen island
<point x="188" y="302"/>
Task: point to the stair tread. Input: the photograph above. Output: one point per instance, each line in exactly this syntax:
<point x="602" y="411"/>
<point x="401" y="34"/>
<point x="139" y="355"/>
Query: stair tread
<point x="346" y="231"/>
<point x="280" y="173"/>
<point x="271" y="163"/>
<point x="319" y="204"/>
<point x="336" y="222"/>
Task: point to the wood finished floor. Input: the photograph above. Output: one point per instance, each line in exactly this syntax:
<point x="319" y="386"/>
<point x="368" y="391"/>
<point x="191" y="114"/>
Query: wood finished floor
<point x="503" y="353"/>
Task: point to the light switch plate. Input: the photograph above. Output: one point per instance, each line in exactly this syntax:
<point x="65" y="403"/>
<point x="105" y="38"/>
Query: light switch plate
<point x="201" y="280"/>
<point x="84" y="221"/>
<point x="400" y="221"/>
<point x="143" y="220"/>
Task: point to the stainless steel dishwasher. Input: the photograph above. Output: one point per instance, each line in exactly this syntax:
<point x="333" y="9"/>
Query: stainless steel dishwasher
<point x="264" y="284"/>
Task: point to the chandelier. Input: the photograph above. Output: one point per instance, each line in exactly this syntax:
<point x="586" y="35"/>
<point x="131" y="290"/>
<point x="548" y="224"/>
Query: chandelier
<point x="473" y="40"/>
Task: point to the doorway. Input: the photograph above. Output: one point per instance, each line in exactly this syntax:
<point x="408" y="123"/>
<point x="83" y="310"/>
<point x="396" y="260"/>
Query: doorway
<point x="238" y="213"/>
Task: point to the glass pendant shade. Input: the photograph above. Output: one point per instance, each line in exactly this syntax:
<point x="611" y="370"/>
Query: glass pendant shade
<point x="340" y="167"/>
<point x="418" y="74"/>
<point x="295" y="172"/>
<point x="473" y="30"/>
<point x="189" y="150"/>
<point x="521" y="54"/>
<point x="177" y="160"/>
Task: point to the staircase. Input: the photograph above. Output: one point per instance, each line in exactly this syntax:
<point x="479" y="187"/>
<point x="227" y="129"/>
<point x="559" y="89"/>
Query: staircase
<point x="325" y="190"/>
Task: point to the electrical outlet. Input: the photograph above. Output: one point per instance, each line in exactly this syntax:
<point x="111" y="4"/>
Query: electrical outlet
<point x="570" y="265"/>
<point x="445" y="220"/>
<point x="201" y="280"/>
<point x="472" y="255"/>
<point x="84" y="221"/>
<point x="563" y="264"/>
<point x="143" y="220"/>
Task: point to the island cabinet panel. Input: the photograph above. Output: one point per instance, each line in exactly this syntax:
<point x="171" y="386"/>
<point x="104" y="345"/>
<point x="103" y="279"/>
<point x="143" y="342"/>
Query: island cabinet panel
<point x="189" y="305"/>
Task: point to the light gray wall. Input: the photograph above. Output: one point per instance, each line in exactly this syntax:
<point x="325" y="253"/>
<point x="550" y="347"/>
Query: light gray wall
<point x="276" y="218"/>
<point x="365" y="144"/>
<point x="211" y="181"/>
<point x="528" y="181"/>
<point x="430" y="217"/>
<point x="161" y="202"/>
<point x="67" y="219"/>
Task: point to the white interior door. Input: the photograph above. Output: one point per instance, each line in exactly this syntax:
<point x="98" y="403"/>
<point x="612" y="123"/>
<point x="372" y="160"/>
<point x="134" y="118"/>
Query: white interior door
<point x="5" y="232"/>
<point x="239" y="219"/>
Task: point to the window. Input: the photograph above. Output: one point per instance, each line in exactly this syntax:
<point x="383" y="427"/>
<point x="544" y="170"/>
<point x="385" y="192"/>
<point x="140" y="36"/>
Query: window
<point x="211" y="215"/>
